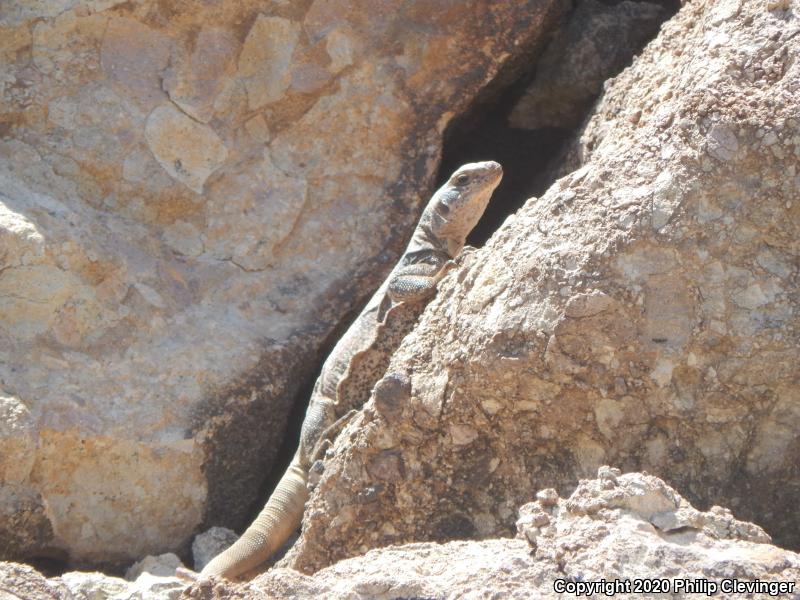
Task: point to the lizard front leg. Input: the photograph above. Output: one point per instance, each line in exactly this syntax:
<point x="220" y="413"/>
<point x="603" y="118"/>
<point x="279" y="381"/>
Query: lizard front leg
<point x="417" y="282"/>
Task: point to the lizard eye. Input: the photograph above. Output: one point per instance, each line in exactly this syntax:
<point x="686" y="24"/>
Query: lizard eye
<point x="462" y="179"/>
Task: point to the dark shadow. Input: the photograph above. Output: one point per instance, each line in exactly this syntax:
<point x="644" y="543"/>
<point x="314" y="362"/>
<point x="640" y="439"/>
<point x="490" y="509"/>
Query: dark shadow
<point x="529" y="157"/>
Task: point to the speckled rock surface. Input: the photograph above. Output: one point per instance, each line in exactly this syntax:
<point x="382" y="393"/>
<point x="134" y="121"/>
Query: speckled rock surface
<point x="595" y="43"/>
<point x="627" y="528"/>
<point x="615" y="527"/>
<point x="22" y="582"/>
<point x="192" y="196"/>
<point x="643" y="312"/>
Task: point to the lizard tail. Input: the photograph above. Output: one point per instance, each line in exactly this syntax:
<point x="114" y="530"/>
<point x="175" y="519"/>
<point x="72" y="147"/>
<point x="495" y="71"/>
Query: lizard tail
<point x="271" y="528"/>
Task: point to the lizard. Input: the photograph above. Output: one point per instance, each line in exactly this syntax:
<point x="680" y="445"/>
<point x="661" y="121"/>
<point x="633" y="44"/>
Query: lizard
<point x="361" y="355"/>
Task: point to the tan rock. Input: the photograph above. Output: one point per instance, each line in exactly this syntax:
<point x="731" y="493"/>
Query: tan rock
<point x="246" y="227"/>
<point x="189" y="151"/>
<point x="17" y="441"/>
<point x="134" y="57"/>
<point x="166" y="473"/>
<point x="25" y="582"/>
<point x="20" y="242"/>
<point x="167" y="280"/>
<point x="59" y="46"/>
<point x="630" y="527"/>
<point x="195" y="81"/>
<point x="597" y="41"/>
<point x="625" y="316"/>
<point x="265" y="59"/>
<point x="146" y="586"/>
<point x="164" y="565"/>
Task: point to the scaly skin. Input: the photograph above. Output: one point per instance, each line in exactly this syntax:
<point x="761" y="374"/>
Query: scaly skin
<point x="359" y="358"/>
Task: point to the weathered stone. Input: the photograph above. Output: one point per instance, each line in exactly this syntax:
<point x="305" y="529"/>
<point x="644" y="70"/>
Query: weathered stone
<point x="21" y="582"/>
<point x="60" y="475"/>
<point x="164" y="565"/>
<point x="17" y="441"/>
<point x="93" y="586"/>
<point x="247" y="227"/>
<point x="616" y="527"/>
<point x="597" y="42"/>
<point x="134" y="57"/>
<point x="20" y="241"/>
<point x="624" y="317"/>
<point x="97" y="586"/>
<point x="189" y="151"/>
<point x="194" y="82"/>
<point x="166" y="279"/>
<point x="630" y="527"/>
<point x="265" y="59"/>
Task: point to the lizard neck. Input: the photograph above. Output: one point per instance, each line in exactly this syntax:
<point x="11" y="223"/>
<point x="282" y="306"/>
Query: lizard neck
<point x="425" y="239"/>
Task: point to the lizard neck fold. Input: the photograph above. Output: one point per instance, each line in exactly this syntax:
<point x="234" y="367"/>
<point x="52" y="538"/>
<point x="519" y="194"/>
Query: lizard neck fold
<point x="425" y="238"/>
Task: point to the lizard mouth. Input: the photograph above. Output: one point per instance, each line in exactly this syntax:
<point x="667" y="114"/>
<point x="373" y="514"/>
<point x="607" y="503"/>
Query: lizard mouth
<point x="495" y="170"/>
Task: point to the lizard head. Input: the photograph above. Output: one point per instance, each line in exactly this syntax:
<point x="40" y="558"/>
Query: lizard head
<point x="459" y="203"/>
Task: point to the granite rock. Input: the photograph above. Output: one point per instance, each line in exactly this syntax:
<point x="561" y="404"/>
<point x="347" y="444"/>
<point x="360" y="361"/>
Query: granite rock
<point x="610" y="528"/>
<point x="193" y="196"/>
<point x="643" y="312"/>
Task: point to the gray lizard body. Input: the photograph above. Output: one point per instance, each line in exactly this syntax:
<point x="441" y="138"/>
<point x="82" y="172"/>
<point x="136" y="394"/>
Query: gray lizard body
<point x="361" y="356"/>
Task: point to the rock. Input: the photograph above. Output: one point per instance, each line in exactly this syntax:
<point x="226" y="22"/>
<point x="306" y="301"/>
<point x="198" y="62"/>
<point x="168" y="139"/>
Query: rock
<point x="616" y="527"/>
<point x="199" y="77"/>
<point x="192" y="198"/>
<point x="265" y="59"/>
<point x="596" y="42"/>
<point x="152" y="578"/>
<point x="93" y="586"/>
<point x="624" y="318"/>
<point x="208" y="544"/>
<point x="160" y="566"/>
<point x="189" y="151"/>
<point x="604" y="531"/>
<point x="96" y="586"/>
<point x="17" y="441"/>
<point x="22" y="582"/>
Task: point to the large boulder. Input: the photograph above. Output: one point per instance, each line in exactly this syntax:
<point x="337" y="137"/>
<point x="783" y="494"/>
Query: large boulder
<point x="643" y="312"/>
<point x="192" y="196"/>
<point x="597" y="41"/>
<point x="622" y="534"/>
<point x="619" y="535"/>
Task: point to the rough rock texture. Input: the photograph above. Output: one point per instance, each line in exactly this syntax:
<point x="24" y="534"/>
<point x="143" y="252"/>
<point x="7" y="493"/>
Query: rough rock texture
<point x="163" y="565"/>
<point x="625" y="527"/>
<point x="152" y="578"/>
<point x="643" y="312"/>
<point x="191" y="197"/>
<point x="21" y="582"/>
<point x="97" y="586"/>
<point x="595" y="44"/>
